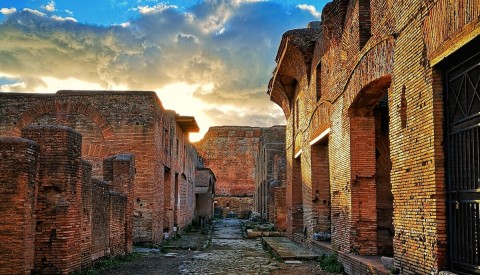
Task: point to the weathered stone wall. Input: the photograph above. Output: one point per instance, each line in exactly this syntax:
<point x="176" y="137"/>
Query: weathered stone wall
<point x="18" y="168"/>
<point x="100" y="218"/>
<point x="115" y="123"/>
<point x="385" y="186"/>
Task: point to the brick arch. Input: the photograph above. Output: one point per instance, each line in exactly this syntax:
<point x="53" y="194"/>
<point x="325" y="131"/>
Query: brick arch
<point x="376" y="64"/>
<point x="370" y="95"/>
<point x="59" y="106"/>
<point x="95" y="144"/>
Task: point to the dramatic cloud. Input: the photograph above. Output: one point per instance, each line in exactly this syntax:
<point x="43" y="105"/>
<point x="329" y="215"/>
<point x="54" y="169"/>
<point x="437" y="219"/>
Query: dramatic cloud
<point x="6" y="11"/>
<point x="228" y="46"/>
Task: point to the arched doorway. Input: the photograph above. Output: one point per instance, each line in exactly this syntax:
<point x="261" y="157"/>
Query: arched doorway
<point x="371" y="215"/>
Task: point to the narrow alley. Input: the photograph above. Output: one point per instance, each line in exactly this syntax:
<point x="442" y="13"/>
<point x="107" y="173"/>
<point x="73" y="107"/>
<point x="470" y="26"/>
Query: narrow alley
<point x="226" y="251"/>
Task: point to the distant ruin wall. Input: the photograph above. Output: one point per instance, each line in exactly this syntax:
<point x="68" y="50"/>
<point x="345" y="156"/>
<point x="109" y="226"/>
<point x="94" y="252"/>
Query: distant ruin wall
<point x="231" y="153"/>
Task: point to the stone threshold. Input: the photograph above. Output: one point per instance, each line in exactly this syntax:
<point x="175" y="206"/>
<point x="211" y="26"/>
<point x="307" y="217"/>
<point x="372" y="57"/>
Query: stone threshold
<point x="353" y="264"/>
<point x="288" y="250"/>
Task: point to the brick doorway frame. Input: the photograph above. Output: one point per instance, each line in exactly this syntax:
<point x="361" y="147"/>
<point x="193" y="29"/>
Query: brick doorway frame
<point x="364" y="126"/>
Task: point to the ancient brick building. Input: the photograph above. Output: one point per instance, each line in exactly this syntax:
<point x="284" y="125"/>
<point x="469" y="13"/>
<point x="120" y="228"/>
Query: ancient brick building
<point x="116" y="123"/>
<point x="382" y="101"/>
<point x="231" y="152"/>
<point x="55" y="218"/>
<point x="270" y="175"/>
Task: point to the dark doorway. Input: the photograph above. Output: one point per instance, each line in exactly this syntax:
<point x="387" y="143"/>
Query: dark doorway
<point x="297" y="197"/>
<point x="383" y="167"/>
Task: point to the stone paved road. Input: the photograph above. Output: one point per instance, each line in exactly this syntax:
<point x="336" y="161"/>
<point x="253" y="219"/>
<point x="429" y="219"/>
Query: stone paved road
<point x="228" y="254"/>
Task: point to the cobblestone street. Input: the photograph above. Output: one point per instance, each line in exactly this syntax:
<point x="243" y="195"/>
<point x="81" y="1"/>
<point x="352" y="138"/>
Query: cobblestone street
<point x="229" y="253"/>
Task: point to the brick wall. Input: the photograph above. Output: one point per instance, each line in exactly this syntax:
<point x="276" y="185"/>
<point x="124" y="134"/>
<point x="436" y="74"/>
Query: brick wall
<point x="269" y="170"/>
<point x="368" y="49"/>
<point x="120" y="172"/>
<point x="204" y="190"/>
<point x="117" y="216"/>
<point x="231" y="153"/>
<point x="18" y="192"/>
<point x="59" y="198"/>
<point x="279" y="211"/>
<point x="113" y="123"/>
<point x="86" y="215"/>
<point x="100" y="218"/>
<point x="241" y="206"/>
<point x="64" y="219"/>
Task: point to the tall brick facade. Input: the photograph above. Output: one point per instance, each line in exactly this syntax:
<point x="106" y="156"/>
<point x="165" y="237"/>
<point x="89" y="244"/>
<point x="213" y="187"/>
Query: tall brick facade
<point x="113" y="123"/>
<point x="363" y="93"/>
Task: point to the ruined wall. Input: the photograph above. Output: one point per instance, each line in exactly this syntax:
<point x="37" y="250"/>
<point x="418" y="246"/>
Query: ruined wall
<point x="204" y="191"/>
<point x="270" y="170"/>
<point x="241" y="206"/>
<point x="57" y="211"/>
<point x="366" y="52"/>
<point x="17" y="206"/>
<point x="116" y="123"/>
<point x="231" y="152"/>
<point x="65" y="219"/>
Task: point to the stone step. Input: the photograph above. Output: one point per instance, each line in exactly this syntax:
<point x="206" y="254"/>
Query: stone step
<point x="287" y="250"/>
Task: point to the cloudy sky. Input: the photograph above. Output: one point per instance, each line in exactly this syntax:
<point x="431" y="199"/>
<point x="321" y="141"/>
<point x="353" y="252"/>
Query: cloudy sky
<point x="211" y="59"/>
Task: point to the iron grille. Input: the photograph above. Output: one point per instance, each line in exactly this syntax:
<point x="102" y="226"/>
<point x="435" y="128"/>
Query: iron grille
<point x="462" y="103"/>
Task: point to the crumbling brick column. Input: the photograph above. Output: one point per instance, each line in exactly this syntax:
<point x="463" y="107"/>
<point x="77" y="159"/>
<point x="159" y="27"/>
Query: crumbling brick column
<point x="321" y="187"/>
<point x="57" y="238"/>
<point x="18" y="168"/>
<point x="363" y="198"/>
<point x="120" y="171"/>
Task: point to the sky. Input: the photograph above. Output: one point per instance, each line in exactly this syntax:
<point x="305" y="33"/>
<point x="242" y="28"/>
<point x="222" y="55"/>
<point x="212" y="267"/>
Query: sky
<point x="211" y="59"/>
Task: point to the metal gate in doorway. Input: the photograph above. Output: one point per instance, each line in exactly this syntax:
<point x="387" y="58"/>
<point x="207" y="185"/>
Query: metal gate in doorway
<point x="462" y="148"/>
